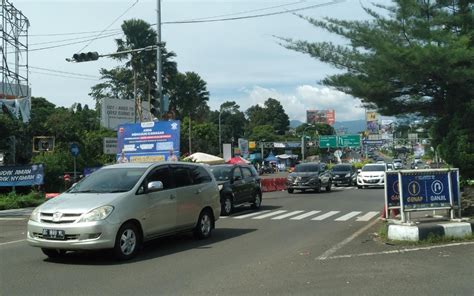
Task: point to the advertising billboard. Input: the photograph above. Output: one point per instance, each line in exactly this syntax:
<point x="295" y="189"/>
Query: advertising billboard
<point x="24" y="175"/>
<point x="321" y="116"/>
<point x="148" y="141"/>
<point x="114" y="112"/>
<point x="244" y="147"/>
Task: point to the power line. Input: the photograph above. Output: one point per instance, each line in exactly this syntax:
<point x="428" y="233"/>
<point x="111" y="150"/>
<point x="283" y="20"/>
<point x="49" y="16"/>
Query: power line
<point x="202" y="21"/>
<point x="248" y="11"/>
<point x="64" y="40"/>
<point x="65" y="72"/>
<point x="64" y="76"/>
<point x="72" y="43"/>
<point x="113" y="22"/>
<point x="255" y="15"/>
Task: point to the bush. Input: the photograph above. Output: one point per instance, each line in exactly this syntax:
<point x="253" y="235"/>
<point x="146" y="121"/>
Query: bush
<point x="16" y="201"/>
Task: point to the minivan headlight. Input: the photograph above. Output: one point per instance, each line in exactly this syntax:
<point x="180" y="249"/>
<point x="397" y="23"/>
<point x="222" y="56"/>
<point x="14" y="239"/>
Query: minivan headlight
<point x="35" y="215"/>
<point x="97" y="214"/>
<point x="348" y="175"/>
<point x="220" y="186"/>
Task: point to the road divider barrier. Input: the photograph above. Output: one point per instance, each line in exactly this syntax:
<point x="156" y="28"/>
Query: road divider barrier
<point x="273" y="184"/>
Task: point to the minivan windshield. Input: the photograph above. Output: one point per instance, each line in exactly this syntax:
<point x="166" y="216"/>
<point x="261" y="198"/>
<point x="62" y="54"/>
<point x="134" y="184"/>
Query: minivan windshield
<point x="109" y="181"/>
<point x="374" y="168"/>
<point x="306" y="168"/>
<point x="342" y="168"/>
<point x="221" y="173"/>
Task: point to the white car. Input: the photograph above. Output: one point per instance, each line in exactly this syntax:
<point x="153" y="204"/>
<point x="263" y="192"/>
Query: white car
<point x="371" y="175"/>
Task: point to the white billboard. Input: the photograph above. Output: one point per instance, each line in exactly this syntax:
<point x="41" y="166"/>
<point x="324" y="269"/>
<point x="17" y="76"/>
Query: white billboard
<point x="114" y="112"/>
<point x="110" y="146"/>
<point x="227" y="149"/>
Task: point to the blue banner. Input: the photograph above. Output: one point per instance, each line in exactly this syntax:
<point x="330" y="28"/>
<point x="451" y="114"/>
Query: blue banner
<point x="24" y="175"/>
<point x="392" y="193"/>
<point x="426" y="189"/>
<point x="148" y="141"/>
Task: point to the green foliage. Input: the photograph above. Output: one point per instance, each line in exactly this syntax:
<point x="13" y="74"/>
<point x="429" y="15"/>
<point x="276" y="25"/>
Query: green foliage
<point x="417" y="59"/>
<point x="189" y="96"/>
<point x="263" y="133"/>
<point x="272" y="114"/>
<point x="204" y="137"/>
<point x="16" y="201"/>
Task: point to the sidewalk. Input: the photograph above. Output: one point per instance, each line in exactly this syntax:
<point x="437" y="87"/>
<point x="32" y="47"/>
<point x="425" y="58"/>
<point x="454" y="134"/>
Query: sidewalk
<point x="16" y="212"/>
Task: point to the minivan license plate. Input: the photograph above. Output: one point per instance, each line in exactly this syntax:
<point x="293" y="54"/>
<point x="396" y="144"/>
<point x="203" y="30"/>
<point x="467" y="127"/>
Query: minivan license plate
<point x="53" y="234"/>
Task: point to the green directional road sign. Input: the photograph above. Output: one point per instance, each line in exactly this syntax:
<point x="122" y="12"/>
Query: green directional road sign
<point x="351" y="141"/>
<point x="328" y="142"/>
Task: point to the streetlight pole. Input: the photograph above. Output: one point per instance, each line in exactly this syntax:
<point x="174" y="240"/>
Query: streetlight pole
<point x="220" y="137"/>
<point x="158" y="56"/>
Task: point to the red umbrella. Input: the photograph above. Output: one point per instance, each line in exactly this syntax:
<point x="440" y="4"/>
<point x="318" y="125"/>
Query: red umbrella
<point x="237" y="160"/>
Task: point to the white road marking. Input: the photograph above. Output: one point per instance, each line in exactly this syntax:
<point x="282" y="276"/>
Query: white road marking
<point x="348" y="216"/>
<point x="286" y="215"/>
<point x="367" y="216"/>
<point x="12" y="219"/>
<point x="12" y="242"/>
<point x="270" y="214"/>
<point x="324" y="216"/>
<point x="401" y="251"/>
<point x="250" y="215"/>
<point x="310" y="213"/>
<point x="336" y="247"/>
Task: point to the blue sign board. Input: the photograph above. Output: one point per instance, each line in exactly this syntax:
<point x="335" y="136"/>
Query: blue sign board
<point x="392" y="193"/>
<point x="372" y="142"/>
<point x="74" y="148"/>
<point x="25" y="175"/>
<point x="426" y="189"/>
<point x="148" y="141"/>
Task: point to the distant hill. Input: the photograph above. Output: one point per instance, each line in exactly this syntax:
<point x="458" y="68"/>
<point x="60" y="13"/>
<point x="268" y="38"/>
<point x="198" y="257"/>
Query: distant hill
<point x="353" y="126"/>
<point x="295" y="123"/>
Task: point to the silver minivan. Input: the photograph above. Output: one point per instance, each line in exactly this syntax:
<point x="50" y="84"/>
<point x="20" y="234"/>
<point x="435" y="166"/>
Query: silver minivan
<point x="120" y="206"/>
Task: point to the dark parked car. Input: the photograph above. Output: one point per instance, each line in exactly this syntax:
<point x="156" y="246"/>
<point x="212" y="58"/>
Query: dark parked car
<point x="238" y="184"/>
<point x="309" y="176"/>
<point x="344" y="174"/>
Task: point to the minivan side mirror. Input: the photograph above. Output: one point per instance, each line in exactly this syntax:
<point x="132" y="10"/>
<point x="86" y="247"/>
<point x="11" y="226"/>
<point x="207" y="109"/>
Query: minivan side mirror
<point x="155" y="186"/>
<point x="237" y="178"/>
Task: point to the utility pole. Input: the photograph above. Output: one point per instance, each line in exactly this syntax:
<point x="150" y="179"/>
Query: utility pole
<point x="158" y="56"/>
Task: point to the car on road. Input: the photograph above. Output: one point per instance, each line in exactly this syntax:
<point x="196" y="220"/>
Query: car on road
<point x="120" y="206"/>
<point x="309" y="176"/>
<point x="371" y="175"/>
<point x="397" y="164"/>
<point x="238" y="185"/>
<point x="344" y="174"/>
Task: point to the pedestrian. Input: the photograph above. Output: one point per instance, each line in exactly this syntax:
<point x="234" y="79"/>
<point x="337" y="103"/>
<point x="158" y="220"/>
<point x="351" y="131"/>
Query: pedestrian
<point x="172" y="156"/>
<point x="122" y="158"/>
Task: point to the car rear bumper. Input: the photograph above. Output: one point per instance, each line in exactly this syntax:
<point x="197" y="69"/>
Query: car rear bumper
<point x="78" y="236"/>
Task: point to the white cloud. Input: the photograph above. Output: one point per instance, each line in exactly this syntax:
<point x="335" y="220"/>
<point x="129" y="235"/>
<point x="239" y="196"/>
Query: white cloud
<point x="305" y="97"/>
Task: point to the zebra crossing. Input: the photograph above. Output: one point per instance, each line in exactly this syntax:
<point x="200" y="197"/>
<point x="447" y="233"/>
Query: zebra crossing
<point x="313" y="215"/>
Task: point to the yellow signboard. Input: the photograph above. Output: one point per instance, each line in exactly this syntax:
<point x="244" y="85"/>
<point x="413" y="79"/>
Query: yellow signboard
<point x="371" y="116"/>
<point x="252" y="145"/>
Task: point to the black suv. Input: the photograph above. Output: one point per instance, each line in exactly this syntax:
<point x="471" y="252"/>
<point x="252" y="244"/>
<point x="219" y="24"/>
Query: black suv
<point x="309" y="176"/>
<point x="344" y="174"/>
<point x="238" y="184"/>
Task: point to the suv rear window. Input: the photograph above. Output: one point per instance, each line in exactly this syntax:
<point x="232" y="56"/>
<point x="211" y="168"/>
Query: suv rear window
<point x="246" y="172"/>
<point x="306" y="168"/>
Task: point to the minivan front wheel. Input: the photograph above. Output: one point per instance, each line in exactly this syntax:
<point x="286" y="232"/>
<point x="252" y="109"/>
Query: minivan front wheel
<point x="127" y="242"/>
<point x="204" y="225"/>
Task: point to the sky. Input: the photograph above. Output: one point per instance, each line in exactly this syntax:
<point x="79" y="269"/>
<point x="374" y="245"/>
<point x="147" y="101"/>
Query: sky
<point x="240" y="60"/>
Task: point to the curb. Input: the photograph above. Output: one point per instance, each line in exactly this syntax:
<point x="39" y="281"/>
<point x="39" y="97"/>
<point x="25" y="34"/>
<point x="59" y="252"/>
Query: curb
<point x="422" y="232"/>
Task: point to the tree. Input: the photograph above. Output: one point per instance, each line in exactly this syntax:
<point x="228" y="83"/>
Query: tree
<point x="264" y="133"/>
<point x="189" y="96"/>
<point x="318" y="128"/>
<point x="118" y="82"/>
<point x="233" y="121"/>
<point x="416" y="60"/>
<point x="272" y="113"/>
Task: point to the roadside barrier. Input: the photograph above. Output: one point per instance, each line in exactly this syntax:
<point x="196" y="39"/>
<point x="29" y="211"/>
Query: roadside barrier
<point x="273" y="184"/>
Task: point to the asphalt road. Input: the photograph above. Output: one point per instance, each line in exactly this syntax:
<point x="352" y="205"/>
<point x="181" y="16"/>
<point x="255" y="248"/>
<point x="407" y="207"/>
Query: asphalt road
<point x="298" y="244"/>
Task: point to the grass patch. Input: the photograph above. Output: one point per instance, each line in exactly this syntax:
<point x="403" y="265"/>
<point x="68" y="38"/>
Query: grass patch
<point x="432" y="239"/>
<point x="18" y="201"/>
